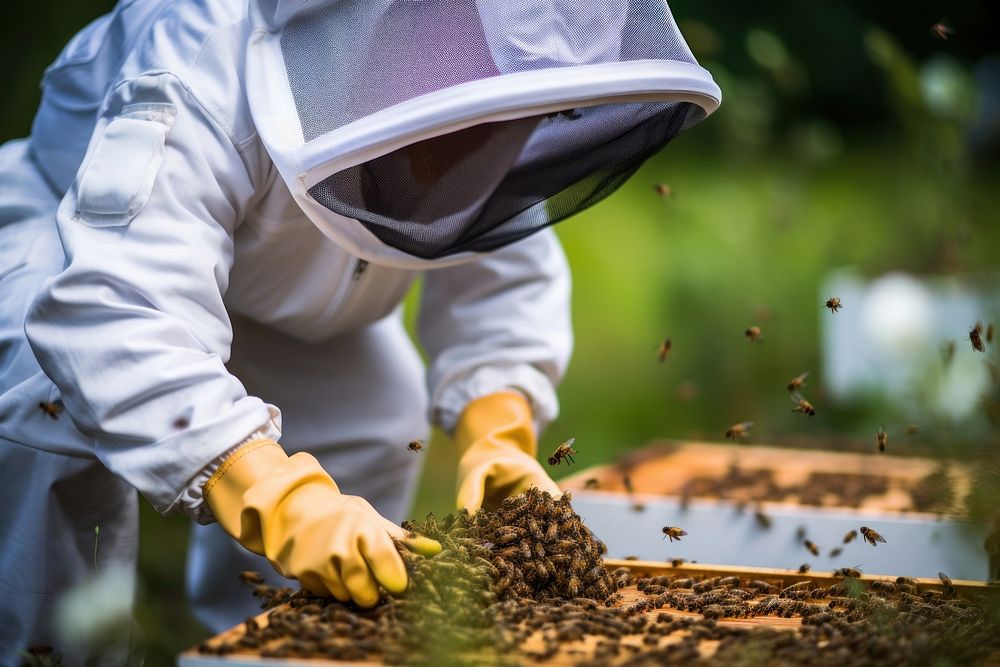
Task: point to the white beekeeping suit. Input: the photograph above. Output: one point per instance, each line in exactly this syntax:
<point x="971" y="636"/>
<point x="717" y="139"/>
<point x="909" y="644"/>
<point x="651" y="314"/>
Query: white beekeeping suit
<point x="217" y="215"/>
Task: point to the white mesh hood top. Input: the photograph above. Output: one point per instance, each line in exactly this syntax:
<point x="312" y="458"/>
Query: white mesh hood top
<point x="421" y="133"/>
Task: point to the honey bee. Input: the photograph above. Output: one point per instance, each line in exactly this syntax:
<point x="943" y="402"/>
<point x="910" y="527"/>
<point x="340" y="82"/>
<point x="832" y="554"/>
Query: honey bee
<point x="989" y="333"/>
<point x="627" y="483"/>
<point x="836" y="551"/>
<point x="976" y="337"/>
<point x="674" y="533"/>
<point x="665" y="347"/>
<point x="849" y="537"/>
<point x="50" y="410"/>
<point x="871" y="536"/>
<point x="563" y="451"/>
<point x="753" y="333"/>
<point x="811" y="546"/>
<point x="797" y="382"/>
<point x="739" y="430"/>
<point x="881" y="439"/>
<point x="802" y="405"/>
<point x="847" y="572"/>
<point x="251" y="577"/>
<point x="592" y="483"/>
<point x="638" y="507"/>
<point x="911" y="429"/>
<point x="763" y="520"/>
<point x="805" y="567"/>
<point x="664" y="190"/>
<point x="415" y="446"/>
<point x="181" y="423"/>
<point x="948" y="352"/>
<point x="833" y="303"/>
<point x="942" y="30"/>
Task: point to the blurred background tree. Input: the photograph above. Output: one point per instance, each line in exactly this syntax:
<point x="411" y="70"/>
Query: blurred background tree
<point x="852" y="134"/>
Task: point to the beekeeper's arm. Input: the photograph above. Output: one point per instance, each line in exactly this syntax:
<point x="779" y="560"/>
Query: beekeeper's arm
<point x="499" y="336"/>
<point x="135" y="335"/>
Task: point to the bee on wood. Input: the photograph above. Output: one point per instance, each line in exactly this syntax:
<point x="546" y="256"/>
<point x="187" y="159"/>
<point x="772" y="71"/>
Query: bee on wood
<point x="942" y="30"/>
<point x="753" y="334"/>
<point x="847" y="572"/>
<point x="976" y="337"/>
<point x="881" y="439"/>
<point x="415" y="446"/>
<point x="871" y="536"/>
<point x="563" y="451"/>
<point x="664" y="190"/>
<point x="763" y="520"/>
<point x="805" y="567"/>
<point x="850" y="536"/>
<point x="677" y="562"/>
<point x="802" y="405"/>
<point x="833" y="303"/>
<point x="50" y="410"/>
<point x="739" y="430"/>
<point x="836" y="551"/>
<point x="811" y="546"/>
<point x="945" y="579"/>
<point x="797" y="382"/>
<point x="674" y="533"/>
<point x="592" y="483"/>
<point x="665" y="348"/>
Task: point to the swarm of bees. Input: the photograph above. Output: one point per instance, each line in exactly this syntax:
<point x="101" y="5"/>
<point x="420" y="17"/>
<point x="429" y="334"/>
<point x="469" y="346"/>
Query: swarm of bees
<point x="834" y="304"/>
<point x="415" y="446"/>
<point x="739" y="430"/>
<point x="871" y="536"/>
<point x="881" y="439"/>
<point x="753" y="334"/>
<point x="674" y="533"/>
<point x="50" y="410"/>
<point x="563" y="452"/>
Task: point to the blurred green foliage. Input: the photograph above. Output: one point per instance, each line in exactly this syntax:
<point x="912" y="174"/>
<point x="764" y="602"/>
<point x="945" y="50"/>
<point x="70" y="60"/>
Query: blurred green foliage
<point x="843" y="141"/>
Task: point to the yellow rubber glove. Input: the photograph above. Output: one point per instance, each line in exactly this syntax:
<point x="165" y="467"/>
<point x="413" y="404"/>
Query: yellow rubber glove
<point x="496" y="441"/>
<point x="289" y="510"/>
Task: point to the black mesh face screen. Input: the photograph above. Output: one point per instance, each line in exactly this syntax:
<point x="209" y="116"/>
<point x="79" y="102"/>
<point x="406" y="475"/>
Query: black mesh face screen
<point x="490" y="185"/>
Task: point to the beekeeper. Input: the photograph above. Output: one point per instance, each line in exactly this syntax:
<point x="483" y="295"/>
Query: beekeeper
<point x="217" y="214"/>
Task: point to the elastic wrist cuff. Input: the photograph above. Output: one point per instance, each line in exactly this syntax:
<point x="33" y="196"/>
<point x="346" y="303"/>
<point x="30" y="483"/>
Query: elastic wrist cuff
<point x="233" y="459"/>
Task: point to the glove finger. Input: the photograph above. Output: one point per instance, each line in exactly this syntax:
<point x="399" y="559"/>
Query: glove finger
<point x="317" y="585"/>
<point x="360" y="580"/>
<point x="471" y="492"/>
<point x="384" y="562"/>
<point x="418" y="544"/>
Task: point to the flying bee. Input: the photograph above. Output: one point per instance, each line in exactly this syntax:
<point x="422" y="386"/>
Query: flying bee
<point x="833" y="303"/>
<point x="638" y="507"/>
<point x="976" y="337"/>
<point x="739" y="430"/>
<point x="763" y="520"/>
<point x="50" y="410"/>
<point x="805" y="567"/>
<point x="836" y="551"/>
<point x="753" y="334"/>
<point x="251" y="577"/>
<point x="942" y="30"/>
<point x="881" y="439"/>
<point x="945" y="579"/>
<point x="849" y="537"/>
<point x="415" y="446"/>
<point x="627" y="483"/>
<point x="665" y="347"/>
<point x="802" y="405"/>
<point x="989" y="333"/>
<point x="911" y="429"/>
<point x="664" y="190"/>
<point x="592" y="483"/>
<point x="674" y="533"/>
<point x="871" y="536"/>
<point x="948" y="352"/>
<point x="797" y="382"/>
<point x="811" y="546"/>
<point x="563" y="451"/>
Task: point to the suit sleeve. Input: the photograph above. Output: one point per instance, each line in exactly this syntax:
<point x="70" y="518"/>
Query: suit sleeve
<point x="134" y="332"/>
<point x="498" y="322"/>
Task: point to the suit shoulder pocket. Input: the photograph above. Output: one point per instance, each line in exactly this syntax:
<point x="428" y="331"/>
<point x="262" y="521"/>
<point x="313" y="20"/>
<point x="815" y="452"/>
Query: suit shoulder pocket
<point x="118" y="176"/>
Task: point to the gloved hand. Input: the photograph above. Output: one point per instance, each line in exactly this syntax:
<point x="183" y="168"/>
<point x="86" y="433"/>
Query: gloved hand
<point x="289" y="510"/>
<point x="496" y="441"/>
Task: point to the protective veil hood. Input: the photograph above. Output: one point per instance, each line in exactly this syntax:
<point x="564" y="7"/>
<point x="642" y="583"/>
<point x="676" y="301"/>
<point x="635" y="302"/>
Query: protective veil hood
<point x="418" y="133"/>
